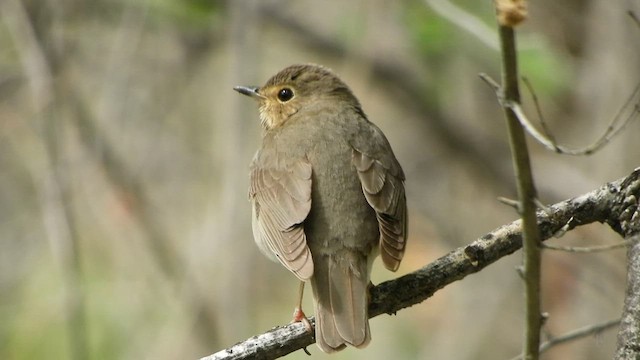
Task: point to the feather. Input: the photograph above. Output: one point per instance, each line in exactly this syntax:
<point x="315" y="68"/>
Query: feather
<point x="382" y="185"/>
<point x="341" y="301"/>
<point x="281" y="197"/>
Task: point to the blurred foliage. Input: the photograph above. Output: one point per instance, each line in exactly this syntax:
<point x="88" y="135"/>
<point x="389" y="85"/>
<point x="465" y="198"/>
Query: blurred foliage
<point x="188" y="14"/>
<point x="432" y="33"/>
<point x="124" y="224"/>
<point x="437" y="38"/>
<point x="547" y="70"/>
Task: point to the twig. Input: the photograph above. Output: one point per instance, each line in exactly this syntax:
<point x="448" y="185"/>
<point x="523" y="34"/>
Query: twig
<point x="618" y="123"/>
<point x="492" y="83"/>
<point x="394" y="295"/>
<point x="508" y="202"/>
<point x="524" y="121"/>
<point x="579" y="333"/>
<point x="526" y="192"/>
<point x="514" y="203"/>
<point x="540" y="205"/>
<point x="536" y="103"/>
<point x="587" y="249"/>
<point x="576" y="334"/>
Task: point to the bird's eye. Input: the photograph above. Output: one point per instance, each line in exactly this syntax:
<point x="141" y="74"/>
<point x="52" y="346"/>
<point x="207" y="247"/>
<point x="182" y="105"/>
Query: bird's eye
<point x="285" y="94"/>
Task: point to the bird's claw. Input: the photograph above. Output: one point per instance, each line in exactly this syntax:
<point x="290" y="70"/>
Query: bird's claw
<point x="299" y="316"/>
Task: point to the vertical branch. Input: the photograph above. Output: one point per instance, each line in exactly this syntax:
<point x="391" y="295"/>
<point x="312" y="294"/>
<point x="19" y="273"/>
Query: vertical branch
<point x="524" y="176"/>
<point x="629" y="334"/>
<point x="628" y="224"/>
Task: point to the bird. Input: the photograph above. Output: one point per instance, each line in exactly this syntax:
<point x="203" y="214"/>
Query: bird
<point x="327" y="196"/>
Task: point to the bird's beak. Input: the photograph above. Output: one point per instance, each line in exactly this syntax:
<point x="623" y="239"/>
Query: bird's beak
<point x="251" y="91"/>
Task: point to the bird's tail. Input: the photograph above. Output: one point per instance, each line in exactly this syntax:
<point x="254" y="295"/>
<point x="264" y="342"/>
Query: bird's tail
<point x="340" y="291"/>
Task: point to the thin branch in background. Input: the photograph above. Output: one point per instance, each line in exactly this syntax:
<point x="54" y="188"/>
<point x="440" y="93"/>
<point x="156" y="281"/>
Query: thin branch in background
<point x="587" y="249"/>
<point x="514" y="203"/>
<point x="536" y="103"/>
<point x="509" y="202"/>
<point x="540" y="205"/>
<point x="492" y="83"/>
<point x="518" y="111"/>
<point x="619" y="122"/>
<point x="524" y="121"/>
<point x="629" y="111"/>
<point x="577" y="334"/>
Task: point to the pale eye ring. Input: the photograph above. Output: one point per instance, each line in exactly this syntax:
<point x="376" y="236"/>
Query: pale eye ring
<point x="285" y="94"/>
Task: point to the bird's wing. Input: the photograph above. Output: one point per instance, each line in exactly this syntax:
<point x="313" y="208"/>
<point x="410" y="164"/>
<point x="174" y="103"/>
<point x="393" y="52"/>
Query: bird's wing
<point x="281" y="199"/>
<point x="382" y="181"/>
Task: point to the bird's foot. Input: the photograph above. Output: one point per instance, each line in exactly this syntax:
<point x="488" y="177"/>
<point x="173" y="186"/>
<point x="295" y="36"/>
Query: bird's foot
<point x="299" y="316"/>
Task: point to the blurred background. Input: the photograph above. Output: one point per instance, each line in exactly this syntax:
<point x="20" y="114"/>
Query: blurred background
<point x="124" y="153"/>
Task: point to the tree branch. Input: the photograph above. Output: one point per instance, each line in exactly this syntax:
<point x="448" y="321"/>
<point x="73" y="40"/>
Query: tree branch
<point x="629" y="111"/>
<point x="525" y="185"/>
<point x="629" y="334"/>
<point x="628" y="224"/>
<point x="601" y="205"/>
<point x="575" y="335"/>
<point x="579" y="333"/>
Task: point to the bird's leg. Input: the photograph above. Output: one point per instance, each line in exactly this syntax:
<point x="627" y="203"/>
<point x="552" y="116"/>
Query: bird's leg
<point x="298" y="314"/>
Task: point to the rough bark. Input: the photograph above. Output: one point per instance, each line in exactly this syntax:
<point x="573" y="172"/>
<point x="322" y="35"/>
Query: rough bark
<point x="627" y="223"/>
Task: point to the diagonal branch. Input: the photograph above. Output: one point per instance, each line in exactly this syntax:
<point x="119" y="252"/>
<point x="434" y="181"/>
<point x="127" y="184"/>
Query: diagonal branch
<point x="391" y="296"/>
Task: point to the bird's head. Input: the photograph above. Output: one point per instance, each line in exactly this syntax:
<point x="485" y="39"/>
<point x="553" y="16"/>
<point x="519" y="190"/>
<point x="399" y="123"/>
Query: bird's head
<point x="295" y="89"/>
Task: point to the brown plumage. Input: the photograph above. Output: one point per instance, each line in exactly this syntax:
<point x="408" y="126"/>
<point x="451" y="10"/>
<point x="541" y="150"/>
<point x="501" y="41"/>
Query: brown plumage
<point x="327" y="195"/>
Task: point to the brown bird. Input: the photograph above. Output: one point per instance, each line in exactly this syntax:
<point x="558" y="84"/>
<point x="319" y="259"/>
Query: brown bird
<point x="327" y="195"/>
